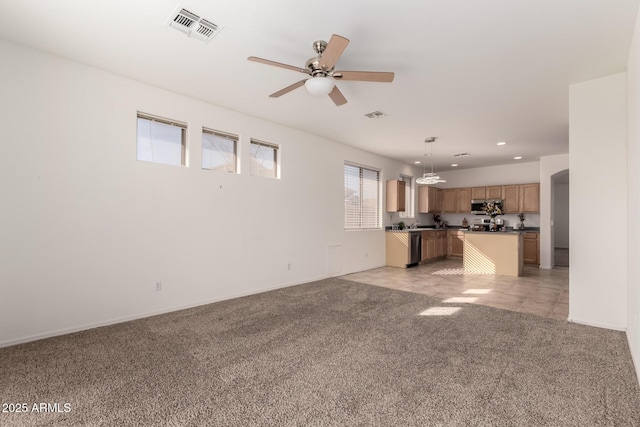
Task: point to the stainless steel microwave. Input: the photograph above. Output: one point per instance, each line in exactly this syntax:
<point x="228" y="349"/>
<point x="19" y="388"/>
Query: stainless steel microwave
<point x="477" y="206"/>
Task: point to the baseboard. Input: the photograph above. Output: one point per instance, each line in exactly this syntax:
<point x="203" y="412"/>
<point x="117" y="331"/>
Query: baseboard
<point x="597" y="325"/>
<point x="114" y="321"/>
<point x="634" y="359"/>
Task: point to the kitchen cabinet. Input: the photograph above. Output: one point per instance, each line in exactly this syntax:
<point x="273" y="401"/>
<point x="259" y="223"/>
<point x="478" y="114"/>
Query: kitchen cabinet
<point x="428" y="199"/>
<point x="448" y="197"/>
<point x="456" y="200"/>
<point x="494" y="192"/>
<point x="511" y="202"/>
<point x="434" y="244"/>
<point x="396" y="191"/>
<point x="522" y="198"/>
<point x="531" y="248"/>
<point x="401" y="248"/>
<point x="484" y="193"/>
<point x="455" y="245"/>
<point x="479" y="193"/>
<point x="530" y="198"/>
<point x="463" y="200"/>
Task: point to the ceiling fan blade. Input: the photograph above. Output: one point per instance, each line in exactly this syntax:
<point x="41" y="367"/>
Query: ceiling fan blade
<point x="288" y="89"/>
<point x="337" y="97"/>
<point x="278" y="64"/>
<point x="364" y="76"/>
<point x="337" y="44"/>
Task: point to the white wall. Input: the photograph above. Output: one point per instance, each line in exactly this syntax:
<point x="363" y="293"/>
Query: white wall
<point x="86" y="230"/>
<point x="561" y="215"/>
<point x="633" y="198"/>
<point x="598" y="186"/>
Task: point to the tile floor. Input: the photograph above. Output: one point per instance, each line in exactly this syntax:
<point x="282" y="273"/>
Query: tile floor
<point x="540" y="292"/>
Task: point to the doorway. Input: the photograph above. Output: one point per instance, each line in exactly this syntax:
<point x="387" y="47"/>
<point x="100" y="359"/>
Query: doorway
<point x="560" y="215"/>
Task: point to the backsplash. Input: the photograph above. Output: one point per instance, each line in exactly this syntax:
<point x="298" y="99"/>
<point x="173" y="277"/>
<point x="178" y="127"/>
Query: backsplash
<point x="531" y="220"/>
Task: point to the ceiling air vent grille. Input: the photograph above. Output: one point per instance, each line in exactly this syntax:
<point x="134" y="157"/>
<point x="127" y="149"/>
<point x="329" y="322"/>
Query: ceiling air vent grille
<point x="462" y="155"/>
<point x="193" y="25"/>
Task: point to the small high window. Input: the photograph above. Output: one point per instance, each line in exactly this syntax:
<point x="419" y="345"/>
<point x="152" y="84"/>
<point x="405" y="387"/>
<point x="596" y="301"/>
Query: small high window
<point x="264" y="159"/>
<point x="219" y="151"/>
<point x="161" y="140"/>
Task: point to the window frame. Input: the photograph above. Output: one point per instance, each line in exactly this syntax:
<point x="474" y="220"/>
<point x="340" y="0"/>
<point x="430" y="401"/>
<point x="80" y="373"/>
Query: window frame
<point x="166" y="121"/>
<point x="225" y="135"/>
<point x="361" y="208"/>
<point x="409" y="211"/>
<point x="276" y="157"/>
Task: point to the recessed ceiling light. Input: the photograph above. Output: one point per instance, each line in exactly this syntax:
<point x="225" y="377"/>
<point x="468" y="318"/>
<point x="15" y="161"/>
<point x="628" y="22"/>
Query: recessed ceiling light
<point x="501" y="143"/>
<point x="454" y="165"/>
<point x="417" y="162"/>
<point x="517" y="157"/>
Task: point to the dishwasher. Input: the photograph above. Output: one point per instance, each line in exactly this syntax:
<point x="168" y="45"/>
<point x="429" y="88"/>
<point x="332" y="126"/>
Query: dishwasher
<point x="415" y="247"/>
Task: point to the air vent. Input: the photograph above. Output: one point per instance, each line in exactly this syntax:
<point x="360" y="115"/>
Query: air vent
<point x="462" y="155"/>
<point x="375" y="115"/>
<point x="192" y="25"/>
<point x="183" y="20"/>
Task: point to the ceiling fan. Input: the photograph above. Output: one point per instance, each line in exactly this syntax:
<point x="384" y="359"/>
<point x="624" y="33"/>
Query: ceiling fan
<point x="322" y="74"/>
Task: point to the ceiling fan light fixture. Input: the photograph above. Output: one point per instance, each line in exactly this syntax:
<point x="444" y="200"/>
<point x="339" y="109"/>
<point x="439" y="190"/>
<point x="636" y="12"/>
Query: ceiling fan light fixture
<point x="319" y="85"/>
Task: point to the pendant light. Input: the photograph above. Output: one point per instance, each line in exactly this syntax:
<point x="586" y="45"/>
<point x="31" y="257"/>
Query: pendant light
<point x="429" y="178"/>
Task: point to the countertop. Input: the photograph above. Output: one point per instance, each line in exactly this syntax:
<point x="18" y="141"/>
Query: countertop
<point x="464" y="229"/>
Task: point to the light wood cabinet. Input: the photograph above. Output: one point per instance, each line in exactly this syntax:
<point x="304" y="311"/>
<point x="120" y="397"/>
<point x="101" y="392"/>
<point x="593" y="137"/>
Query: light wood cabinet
<point x="484" y="193"/>
<point x="530" y="198"/>
<point x="511" y="202"/>
<point x="455" y="243"/>
<point x="441" y="243"/>
<point x="531" y="248"/>
<point x="448" y="197"/>
<point x="428" y="199"/>
<point x="396" y="191"/>
<point x="434" y="244"/>
<point x="463" y="200"/>
<point x="521" y="198"/>
<point x="494" y="192"/>
<point x="479" y="193"/>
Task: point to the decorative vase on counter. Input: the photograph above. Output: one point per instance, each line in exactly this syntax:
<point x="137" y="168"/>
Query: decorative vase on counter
<point x="492" y="224"/>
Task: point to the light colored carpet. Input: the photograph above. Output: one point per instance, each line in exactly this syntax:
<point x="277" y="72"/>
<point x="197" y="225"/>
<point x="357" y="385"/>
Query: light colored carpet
<point x="328" y="353"/>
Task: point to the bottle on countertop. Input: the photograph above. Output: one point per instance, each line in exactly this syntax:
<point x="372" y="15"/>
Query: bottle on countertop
<point x="465" y="223"/>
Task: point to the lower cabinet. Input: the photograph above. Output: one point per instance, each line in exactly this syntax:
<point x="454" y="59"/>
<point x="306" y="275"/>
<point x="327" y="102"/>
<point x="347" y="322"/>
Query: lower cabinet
<point x="456" y="243"/>
<point x="531" y="248"/>
<point x="434" y="244"/>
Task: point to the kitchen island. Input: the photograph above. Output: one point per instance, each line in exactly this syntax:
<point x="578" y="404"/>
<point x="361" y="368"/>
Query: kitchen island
<point x="487" y="252"/>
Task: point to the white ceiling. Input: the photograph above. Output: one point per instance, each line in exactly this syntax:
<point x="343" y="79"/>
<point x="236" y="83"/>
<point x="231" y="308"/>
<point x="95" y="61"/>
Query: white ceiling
<point x="470" y="72"/>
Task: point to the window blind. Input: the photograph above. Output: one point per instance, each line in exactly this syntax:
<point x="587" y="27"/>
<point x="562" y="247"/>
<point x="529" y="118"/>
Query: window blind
<point x="362" y="202"/>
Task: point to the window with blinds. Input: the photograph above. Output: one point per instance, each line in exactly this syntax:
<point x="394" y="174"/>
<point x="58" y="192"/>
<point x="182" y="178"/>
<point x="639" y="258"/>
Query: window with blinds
<point x="362" y="201"/>
<point x="264" y="159"/>
<point x="161" y="140"/>
<point x="219" y="151"/>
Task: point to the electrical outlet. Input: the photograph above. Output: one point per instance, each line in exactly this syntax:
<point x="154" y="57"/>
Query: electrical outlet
<point x="158" y="286"/>
<point x="289" y="266"/>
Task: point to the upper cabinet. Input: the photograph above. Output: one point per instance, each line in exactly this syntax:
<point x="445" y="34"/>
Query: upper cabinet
<point x="479" y="193"/>
<point x="484" y="193"/>
<point x="463" y="199"/>
<point x="516" y="198"/>
<point x="530" y="198"/>
<point x="494" y="192"/>
<point x="429" y="199"/>
<point x="521" y="198"/>
<point x="456" y="200"/>
<point x="396" y="196"/>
